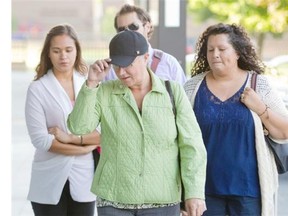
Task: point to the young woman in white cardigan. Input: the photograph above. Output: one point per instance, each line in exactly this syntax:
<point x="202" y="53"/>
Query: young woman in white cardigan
<point x="62" y="172"/>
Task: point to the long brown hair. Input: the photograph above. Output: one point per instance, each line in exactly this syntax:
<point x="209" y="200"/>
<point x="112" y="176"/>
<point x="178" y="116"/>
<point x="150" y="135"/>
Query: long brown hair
<point x="238" y="38"/>
<point x="45" y="62"/>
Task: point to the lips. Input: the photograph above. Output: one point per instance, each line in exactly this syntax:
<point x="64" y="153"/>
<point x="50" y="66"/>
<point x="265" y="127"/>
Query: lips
<point x="124" y="78"/>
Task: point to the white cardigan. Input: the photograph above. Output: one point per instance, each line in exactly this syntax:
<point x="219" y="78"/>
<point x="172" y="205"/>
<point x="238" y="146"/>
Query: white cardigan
<point x="266" y="165"/>
<point x="48" y="105"/>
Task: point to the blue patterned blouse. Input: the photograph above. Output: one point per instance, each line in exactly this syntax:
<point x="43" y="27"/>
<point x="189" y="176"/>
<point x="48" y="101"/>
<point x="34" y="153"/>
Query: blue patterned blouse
<point x="228" y="133"/>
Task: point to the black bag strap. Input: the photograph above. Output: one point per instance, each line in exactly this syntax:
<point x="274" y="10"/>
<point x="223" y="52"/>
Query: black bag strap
<point x="169" y="90"/>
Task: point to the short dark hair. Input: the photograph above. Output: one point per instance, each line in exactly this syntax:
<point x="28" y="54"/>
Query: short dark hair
<point x="141" y="14"/>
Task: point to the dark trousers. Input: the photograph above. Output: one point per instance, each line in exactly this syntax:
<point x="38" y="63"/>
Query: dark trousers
<point x="167" y="211"/>
<point x="232" y="206"/>
<point x="66" y="206"/>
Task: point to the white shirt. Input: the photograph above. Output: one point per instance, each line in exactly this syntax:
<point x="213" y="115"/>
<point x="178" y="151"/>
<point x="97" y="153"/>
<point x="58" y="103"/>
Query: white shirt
<point x="48" y="105"/>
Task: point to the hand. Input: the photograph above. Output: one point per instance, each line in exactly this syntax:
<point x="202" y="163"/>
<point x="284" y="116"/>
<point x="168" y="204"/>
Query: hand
<point x="184" y="213"/>
<point x="194" y="207"/>
<point x="252" y="100"/>
<point x="97" y="72"/>
<point x="60" y="135"/>
<point x="89" y="148"/>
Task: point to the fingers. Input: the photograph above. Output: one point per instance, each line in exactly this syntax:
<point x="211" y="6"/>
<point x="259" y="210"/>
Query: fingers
<point x="52" y="130"/>
<point x="245" y="93"/>
<point x="89" y="148"/>
<point x="108" y="61"/>
<point x="184" y="213"/>
<point x="101" y="65"/>
<point x="199" y="211"/>
<point x="195" y="207"/>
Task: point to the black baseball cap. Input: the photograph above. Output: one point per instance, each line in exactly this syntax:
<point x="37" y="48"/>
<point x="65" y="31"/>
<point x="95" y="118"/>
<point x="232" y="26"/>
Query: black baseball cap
<point x="126" y="46"/>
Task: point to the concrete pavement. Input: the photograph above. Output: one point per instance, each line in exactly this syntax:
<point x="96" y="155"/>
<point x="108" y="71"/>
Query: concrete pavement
<point x="22" y="152"/>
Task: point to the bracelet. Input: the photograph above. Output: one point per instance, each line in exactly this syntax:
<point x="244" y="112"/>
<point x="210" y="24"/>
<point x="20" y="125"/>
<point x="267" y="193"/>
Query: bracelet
<point x="264" y="111"/>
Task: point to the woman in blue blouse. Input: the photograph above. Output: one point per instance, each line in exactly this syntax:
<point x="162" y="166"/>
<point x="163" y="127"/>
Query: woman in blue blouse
<point x="241" y="173"/>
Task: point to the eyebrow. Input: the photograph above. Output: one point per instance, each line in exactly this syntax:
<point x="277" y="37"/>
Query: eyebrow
<point x="64" y="47"/>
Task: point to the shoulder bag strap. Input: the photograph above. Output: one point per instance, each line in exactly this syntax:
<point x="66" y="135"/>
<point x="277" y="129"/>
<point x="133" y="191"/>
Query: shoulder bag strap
<point x="169" y="90"/>
<point x="156" y="58"/>
<point x="253" y="81"/>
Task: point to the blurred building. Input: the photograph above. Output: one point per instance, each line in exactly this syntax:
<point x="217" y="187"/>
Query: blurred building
<point x="93" y="20"/>
<point x="32" y="19"/>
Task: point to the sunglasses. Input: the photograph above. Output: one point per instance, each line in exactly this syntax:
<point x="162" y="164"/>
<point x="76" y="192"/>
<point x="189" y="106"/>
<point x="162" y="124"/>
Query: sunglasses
<point x="132" y="27"/>
<point x="117" y="68"/>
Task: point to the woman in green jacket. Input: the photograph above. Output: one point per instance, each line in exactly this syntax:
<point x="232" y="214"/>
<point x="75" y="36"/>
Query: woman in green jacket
<point x="139" y="170"/>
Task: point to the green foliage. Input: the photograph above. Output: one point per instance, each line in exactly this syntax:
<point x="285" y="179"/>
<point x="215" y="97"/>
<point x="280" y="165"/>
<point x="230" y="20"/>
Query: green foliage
<point x="257" y="16"/>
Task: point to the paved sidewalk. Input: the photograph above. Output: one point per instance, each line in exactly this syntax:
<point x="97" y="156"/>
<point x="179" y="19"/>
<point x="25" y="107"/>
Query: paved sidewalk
<point x="22" y="152"/>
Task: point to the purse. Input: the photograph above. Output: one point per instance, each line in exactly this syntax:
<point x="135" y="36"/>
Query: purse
<point x="280" y="151"/>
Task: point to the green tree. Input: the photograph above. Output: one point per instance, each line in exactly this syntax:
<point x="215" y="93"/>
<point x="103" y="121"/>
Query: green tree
<point x="258" y="17"/>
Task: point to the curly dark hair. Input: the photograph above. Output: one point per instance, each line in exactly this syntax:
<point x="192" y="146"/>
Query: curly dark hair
<point x="141" y="14"/>
<point x="248" y="59"/>
<point x="45" y="62"/>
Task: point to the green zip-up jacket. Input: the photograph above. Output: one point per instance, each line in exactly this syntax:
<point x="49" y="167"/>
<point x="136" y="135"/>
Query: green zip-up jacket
<point x="139" y="151"/>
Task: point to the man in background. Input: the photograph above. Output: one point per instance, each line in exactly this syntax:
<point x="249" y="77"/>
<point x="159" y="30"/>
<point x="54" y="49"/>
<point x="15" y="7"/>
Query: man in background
<point x="162" y="64"/>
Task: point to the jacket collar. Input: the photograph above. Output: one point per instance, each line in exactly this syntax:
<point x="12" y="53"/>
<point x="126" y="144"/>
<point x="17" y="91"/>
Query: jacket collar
<point x="157" y="85"/>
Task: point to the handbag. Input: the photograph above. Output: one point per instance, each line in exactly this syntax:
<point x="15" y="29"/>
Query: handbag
<point x="280" y="151"/>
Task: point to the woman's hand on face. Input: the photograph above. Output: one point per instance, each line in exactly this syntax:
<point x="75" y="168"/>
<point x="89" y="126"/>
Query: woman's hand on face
<point x="97" y="72"/>
<point x="252" y="100"/>
<point x="60" y="135"/>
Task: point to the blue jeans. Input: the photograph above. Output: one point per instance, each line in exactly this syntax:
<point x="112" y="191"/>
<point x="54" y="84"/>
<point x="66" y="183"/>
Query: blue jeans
<point x="232" y="206"/>
<point x="167" y="211"/>
<point x="66" y="206"/>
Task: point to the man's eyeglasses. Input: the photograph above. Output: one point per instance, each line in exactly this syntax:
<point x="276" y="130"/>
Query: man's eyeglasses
<point x="132" y="27"/>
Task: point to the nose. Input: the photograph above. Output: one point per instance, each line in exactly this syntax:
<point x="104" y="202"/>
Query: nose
<point x="63" y="54"/>
<point x="216" y="53"/>
<point x="121" y="71"/>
